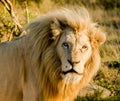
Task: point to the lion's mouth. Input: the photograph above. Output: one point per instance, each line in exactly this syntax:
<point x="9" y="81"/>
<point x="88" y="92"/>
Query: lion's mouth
<point x="71" y="71"/>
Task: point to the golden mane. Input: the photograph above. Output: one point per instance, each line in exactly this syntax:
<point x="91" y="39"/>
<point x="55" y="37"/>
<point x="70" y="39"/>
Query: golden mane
<point x="41" y="63"/>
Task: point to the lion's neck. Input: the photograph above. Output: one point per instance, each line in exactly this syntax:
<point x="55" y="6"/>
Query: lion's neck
<point x="64" y="92"/>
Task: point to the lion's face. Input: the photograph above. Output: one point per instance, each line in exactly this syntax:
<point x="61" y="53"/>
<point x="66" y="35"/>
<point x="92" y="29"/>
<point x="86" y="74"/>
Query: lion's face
<point x="74" y="50"/>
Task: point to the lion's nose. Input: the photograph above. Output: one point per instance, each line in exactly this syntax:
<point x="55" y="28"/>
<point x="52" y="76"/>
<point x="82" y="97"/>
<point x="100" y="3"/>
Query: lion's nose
<point x="73" y="63"/>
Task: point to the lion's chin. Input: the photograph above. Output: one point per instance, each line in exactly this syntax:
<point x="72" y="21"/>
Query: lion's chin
<point x="71" y="78"/>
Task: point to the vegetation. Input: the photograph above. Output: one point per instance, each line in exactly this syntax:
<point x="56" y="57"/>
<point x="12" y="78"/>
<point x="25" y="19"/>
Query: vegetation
<point x="106" y="12"/>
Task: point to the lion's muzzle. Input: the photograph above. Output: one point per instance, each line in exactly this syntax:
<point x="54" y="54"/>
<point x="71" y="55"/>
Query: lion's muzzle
<point x="70" y="67"/>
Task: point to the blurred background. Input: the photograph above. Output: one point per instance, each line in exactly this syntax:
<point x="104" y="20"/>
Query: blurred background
<point x="105" y="12"/>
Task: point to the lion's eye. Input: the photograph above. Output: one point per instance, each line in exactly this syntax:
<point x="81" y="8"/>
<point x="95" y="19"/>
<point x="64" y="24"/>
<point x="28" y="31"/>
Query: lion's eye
<point x="84" y="48"/>
<point x="66" y="45"/>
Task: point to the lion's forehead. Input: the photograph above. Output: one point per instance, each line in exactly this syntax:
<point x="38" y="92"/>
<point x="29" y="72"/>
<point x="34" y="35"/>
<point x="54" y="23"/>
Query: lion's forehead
<point x="79" y="38"/>
<point x="70" y="37"/>
<point x="83" y="38"/>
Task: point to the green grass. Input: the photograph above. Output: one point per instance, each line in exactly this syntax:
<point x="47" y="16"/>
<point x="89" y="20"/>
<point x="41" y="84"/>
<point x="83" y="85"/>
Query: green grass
<point x="93" y="98"/>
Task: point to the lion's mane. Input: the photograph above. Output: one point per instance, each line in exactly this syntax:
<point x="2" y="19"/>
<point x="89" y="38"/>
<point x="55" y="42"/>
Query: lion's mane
<point x="41" y="58"/>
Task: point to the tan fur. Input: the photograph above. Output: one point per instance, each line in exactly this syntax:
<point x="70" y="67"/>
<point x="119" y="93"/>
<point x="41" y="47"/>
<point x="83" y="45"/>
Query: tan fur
<point x="31" y="66"/>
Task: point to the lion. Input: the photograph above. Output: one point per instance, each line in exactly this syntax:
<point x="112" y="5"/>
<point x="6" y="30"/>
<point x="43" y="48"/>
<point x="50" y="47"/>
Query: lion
<point x="57" y="57"/>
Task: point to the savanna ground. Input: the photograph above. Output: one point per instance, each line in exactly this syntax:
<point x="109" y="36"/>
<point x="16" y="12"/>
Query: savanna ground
<point x="105" y="12"/>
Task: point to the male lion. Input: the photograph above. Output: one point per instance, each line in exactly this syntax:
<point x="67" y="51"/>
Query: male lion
<point x="58" y="56"/>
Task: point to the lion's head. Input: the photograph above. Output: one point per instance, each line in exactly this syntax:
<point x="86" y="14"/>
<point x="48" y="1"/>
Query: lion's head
<point x="74" y="50"/>
<point x="66" y="52"/>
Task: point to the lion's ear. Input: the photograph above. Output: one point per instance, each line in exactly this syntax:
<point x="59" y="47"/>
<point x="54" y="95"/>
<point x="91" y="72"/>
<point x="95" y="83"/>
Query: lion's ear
<point x="100" y="38"/>
<point x="97" y="39"/>
<point x="55" y="28"/>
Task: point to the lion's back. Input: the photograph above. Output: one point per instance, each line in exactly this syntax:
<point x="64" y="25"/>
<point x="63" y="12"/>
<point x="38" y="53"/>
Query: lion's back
<point x="9" y="74"/>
